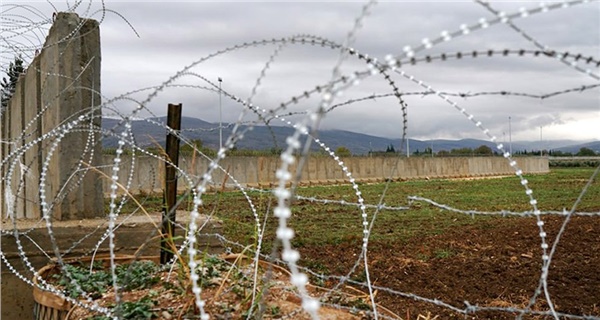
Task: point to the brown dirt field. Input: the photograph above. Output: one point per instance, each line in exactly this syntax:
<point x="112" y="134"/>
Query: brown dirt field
<point x="496" y="263"/>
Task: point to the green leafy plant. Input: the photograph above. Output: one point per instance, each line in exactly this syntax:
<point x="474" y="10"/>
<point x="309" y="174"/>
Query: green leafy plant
<point x="137" y="275"/>
<point x="136" y="310"/>
<point x="94" y="283"/>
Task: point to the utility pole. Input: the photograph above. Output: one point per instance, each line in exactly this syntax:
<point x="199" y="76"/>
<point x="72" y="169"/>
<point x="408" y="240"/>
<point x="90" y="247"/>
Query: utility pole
<point x="541" y="148"/>
<point x="407" y="148"/>
<point x="509" y="137"/>
<point x="432" y="148"/>
<point x="220" y="116"/>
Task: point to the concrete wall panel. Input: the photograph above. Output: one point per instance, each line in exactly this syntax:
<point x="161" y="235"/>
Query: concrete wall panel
<point x="50" y="95"/>
<point x="149" y="172"/>
<point x="18" y="178"/>
<point x="32" y="130"/>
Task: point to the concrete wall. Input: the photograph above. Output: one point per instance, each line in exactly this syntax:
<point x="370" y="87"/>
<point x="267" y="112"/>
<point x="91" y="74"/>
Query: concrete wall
<point x="148" y="172"/>
<point x="60" y="84"/>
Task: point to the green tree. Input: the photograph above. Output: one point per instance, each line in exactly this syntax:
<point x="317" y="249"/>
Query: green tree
<point x="558" y="153"/>
<point x="189" y="148"/>
<point x="483" y="150"/>
<point x="343" y="152"/>
<point x="461" y="151"/>
<point x="443" y="153"/>
<point x="586" y="152"/>
<point x="15" y="69"/>
<point x="278" y="151"/>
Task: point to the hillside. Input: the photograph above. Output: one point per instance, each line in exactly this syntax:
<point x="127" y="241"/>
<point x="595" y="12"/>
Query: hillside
<point x="147" y="133"/>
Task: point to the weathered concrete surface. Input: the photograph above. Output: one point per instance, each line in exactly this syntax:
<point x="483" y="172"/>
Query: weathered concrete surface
<point x="148" y="172"/>
<point x="90" y="62"/>
<point x="17" y="187"/>
<point x="32" y="159"/>
<point x="61" y="84"/>
<point x="137" y="234"/>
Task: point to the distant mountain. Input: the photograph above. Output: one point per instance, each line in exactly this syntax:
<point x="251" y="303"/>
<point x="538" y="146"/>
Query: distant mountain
<point x="151" y="131"/>
<point x="594" y="145"/>
<point x="546" y="144"/>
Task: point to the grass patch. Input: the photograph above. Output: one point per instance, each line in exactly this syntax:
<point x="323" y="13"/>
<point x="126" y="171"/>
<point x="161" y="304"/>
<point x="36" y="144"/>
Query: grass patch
<point x="443" y="253"/>
<point x="321" y="224"/>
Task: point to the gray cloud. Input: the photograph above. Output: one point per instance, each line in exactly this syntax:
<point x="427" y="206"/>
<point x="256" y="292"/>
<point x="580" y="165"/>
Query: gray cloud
<point x="175" y="34"/>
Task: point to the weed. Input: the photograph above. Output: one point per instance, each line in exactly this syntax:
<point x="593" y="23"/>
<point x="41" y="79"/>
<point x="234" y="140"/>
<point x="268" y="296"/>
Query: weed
<point x="210" y="268"/>
<point x="274" y="310"/>
<point x="177" y="289"/>
<point x="317" y="266"/>
<point x="443" y="253"/>
<point x="359" y="304"/>
<point x="423" y="256"/>
<point x="239" y="290"/>
<point x="360" y="276"/>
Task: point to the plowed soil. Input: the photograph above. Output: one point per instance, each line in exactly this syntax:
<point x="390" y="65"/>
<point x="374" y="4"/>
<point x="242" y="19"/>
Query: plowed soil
<point x="496" y="263"/>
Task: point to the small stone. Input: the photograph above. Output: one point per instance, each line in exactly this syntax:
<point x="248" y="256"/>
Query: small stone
<point x="166" y="315"/>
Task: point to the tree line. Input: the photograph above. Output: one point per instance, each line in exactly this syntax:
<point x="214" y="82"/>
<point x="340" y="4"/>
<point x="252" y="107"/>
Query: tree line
<point x="483" y="150"/>
<point x="583" y="152"/>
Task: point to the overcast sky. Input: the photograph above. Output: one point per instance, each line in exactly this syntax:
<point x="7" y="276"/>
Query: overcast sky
<point x="173" y="35"/>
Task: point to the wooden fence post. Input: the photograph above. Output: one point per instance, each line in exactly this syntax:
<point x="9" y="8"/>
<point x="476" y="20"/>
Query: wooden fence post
<point x="170" y="196"/>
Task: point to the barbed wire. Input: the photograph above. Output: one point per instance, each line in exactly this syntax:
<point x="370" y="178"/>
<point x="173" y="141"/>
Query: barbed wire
<point x="288" y="174"/>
